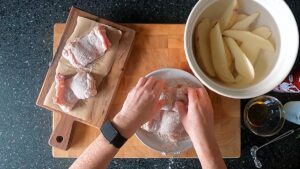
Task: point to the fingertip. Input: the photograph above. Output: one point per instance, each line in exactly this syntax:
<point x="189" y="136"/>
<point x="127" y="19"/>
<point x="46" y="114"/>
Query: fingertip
<point x="143" y="78"/>
<point x="159" y="86"/>
<point x="150" y="78"/>
<point x="141" y="82"/>
<point x="200" y="89"/>
<point x="163" y="83"/>
<point x="185" y="90"/>
<point x="202" y="92"/>
<point x="189" y="89"/>
<point x="192" y="94"/>
<point x="180" y="108"/>
<point x="150" y="82"/>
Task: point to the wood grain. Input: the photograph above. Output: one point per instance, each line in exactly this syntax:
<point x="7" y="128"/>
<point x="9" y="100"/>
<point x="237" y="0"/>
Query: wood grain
<point x="61" y="134"/>
<point x="157" y="46"/>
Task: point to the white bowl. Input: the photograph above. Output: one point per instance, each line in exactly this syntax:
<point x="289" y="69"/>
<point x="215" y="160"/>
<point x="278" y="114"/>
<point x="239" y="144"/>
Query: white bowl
<point x="152" y="140"/>
<point x="271" y="69"/>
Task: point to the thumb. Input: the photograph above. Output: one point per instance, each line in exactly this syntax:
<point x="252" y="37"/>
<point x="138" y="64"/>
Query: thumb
<point x="181" y="108"/>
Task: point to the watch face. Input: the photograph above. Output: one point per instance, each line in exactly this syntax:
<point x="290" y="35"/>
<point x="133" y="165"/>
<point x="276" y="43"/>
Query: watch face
<point x="109" y="131"/>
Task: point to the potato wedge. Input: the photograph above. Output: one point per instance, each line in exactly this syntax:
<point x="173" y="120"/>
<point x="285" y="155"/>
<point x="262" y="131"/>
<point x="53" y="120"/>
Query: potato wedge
<point x="240" y="17"/>
<point x="242" y="63"/>
<point x="229" y="58"/>
<point x="245" y="23"/>
<point x="252" y="52"/>
<point x="228" y="18"/>
<point x="263" y="31"/>
<point x="219" y="56"/>
<point x="251" y="39"/>
<point x="203" y="47"/>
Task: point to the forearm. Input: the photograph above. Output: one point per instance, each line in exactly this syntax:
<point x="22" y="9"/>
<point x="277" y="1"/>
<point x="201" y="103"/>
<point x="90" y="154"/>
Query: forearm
<point x="96" y="156"/>
<point x="101" y="152"/>
<point x="140" y="106"/>
<point x="208" y="153"/>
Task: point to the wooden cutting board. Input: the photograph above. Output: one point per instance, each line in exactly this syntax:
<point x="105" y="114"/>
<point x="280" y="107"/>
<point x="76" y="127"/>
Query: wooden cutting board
<point x="99" y="105"/>
<point x="156" y="46"/>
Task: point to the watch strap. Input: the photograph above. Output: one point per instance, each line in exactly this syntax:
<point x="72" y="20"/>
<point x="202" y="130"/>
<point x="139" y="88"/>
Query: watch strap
<point x="112" y="135"/>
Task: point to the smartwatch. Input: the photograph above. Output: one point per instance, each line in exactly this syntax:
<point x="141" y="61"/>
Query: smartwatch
<point x="112" y="135"/>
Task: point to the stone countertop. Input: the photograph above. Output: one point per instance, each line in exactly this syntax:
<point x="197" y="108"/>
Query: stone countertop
<point x="25" y="50"/>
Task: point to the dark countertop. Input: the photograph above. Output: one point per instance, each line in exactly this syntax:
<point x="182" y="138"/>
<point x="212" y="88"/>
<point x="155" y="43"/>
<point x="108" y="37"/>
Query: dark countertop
<point x="25" y="50"/>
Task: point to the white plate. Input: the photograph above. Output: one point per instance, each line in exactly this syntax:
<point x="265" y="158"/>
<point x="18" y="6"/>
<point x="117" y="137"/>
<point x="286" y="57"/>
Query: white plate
<point x="171" y="76"/>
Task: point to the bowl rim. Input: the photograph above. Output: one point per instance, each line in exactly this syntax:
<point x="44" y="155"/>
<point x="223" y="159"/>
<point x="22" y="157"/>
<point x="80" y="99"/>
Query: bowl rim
<point x="164" y="153"/>
<point x="259" y="88"/>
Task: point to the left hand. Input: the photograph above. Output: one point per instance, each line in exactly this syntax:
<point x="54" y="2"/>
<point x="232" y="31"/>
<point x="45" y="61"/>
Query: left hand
<point x="141" y="105"/>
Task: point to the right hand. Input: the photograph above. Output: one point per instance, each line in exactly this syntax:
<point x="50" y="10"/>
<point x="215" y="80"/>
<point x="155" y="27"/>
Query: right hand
<point x="198" y="119"/>
<point x="141" y="105"/>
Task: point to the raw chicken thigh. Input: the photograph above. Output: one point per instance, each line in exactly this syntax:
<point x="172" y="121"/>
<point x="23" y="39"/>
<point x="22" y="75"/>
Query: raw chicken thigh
<point x="167" y="124"/>
<point x="83" y="51"/>
<point x="64" y="96"/>
<point x="83" y="85"/>
<point x="69" y="91"/>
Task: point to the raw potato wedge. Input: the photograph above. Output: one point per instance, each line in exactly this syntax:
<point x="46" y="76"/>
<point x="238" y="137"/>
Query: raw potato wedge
<point x="203" y="47"/>
<point x="240" y="17"/>
<point x="242" y="63"/>
<point x="219" y="56"/>
<point x="229" y="16"/>
<point x="252" y="52"/>
<point x="263" y="31"/>
<point x="250" y="38"/>
<point x="245" y="23"/>
<point x="229" y="58"/>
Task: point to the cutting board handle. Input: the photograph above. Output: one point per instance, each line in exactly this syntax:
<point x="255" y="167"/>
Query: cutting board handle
<point x="62" y="132"/>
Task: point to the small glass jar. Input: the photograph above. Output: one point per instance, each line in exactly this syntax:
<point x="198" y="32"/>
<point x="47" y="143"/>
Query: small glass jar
<point x="264" y="115"/>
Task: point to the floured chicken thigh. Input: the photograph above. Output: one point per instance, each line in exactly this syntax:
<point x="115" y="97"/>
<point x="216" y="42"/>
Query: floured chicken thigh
<point x="171" y="126"/>
<point x="167" y="124"/>
<point x="173" y="94"/>
<point x="82" y="51"/>
<point x="69" y="91"/>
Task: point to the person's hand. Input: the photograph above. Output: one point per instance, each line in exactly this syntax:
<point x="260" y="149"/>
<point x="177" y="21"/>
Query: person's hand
<point x="198" y="121"/>
<point x="198" y="118"/>
<point x="141" y="105"/>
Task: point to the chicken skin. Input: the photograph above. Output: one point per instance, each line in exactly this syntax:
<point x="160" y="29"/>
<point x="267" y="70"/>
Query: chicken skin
<point x="69" y="91"/>
<point x="82" y="51"/>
